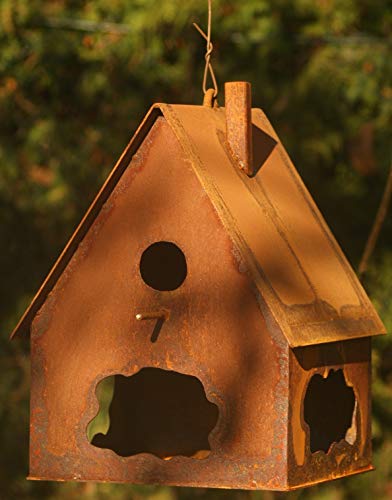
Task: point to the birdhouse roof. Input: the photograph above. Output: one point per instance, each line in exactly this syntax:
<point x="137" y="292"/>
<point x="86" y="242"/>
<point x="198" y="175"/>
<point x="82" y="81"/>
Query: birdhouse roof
<point x="305" y="285"/>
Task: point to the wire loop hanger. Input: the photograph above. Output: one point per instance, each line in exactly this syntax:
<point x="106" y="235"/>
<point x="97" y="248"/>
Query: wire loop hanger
<point x="209" y="94"/>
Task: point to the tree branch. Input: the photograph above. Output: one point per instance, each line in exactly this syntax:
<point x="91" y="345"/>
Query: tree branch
<point x="377" y="225"/>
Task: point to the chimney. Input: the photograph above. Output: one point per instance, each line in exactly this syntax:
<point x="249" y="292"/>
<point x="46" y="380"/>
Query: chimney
<point x="238" y="104"/>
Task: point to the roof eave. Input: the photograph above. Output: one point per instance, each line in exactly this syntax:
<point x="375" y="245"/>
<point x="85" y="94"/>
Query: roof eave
<point x="23" y="325"/>
<point x="338" y="330"/>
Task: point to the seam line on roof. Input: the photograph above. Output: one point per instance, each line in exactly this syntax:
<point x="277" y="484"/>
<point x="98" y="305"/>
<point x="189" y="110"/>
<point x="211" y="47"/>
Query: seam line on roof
<point x="276" y="220"/>
<point x="330" y="238"/>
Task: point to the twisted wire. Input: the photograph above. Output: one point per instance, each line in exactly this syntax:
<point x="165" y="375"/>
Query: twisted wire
<point x="209" y="48"/>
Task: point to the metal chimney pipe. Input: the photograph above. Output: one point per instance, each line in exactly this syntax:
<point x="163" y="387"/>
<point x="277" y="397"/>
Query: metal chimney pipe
<point x="238" y="104"/>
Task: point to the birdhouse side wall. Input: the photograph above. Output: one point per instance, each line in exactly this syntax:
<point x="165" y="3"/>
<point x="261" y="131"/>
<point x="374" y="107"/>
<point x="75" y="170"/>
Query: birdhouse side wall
<point x="214" y="330"/>
<point x="330" y="414"/>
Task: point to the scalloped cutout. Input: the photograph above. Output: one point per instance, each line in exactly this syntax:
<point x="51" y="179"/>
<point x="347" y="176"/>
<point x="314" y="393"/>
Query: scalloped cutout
<point x="155" y="411"/>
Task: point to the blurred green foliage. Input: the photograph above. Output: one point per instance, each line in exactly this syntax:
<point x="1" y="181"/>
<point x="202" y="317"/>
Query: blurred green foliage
<point x="72" y="93"/>
<point x="101" y="422"/>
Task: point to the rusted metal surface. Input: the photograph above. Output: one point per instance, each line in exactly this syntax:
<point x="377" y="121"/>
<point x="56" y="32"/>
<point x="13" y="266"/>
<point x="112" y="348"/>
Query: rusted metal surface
<point x="295" y="262"/>
<point x="266" y="288"/>
<point x="238" y="104"/>
<point x="216" y="331"/>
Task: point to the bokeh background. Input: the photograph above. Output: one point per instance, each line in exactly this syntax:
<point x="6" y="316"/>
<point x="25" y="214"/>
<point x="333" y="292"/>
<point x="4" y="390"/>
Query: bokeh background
<point x="76" y="77"/>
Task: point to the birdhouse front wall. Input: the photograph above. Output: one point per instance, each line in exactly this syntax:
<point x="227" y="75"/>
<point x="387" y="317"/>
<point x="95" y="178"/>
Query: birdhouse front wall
<point x="330" y="417"/>
<point x="215" y="331"/>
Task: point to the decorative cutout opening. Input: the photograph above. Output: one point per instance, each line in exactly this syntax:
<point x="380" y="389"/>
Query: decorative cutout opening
<point x="155" y="411"/>
<point x="328" y="410"/>
<point x="163" y="266"/>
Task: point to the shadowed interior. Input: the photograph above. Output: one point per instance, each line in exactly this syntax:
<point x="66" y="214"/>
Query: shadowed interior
<point x="328" y="410"/>
<point x="155" y="411"/>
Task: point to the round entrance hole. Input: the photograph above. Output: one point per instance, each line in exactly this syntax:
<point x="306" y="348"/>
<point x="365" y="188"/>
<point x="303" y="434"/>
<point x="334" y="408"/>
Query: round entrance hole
<point x="163" y="266"/>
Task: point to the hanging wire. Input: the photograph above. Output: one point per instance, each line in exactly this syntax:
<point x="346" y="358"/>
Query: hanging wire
<point x="208" y="67"/>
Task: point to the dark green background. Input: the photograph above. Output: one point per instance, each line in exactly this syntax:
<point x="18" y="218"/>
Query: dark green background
<point x="70" y="99"/>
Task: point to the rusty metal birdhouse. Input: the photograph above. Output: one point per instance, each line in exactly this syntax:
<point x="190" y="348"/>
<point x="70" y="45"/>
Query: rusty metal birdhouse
<point x="202" y="327"/>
